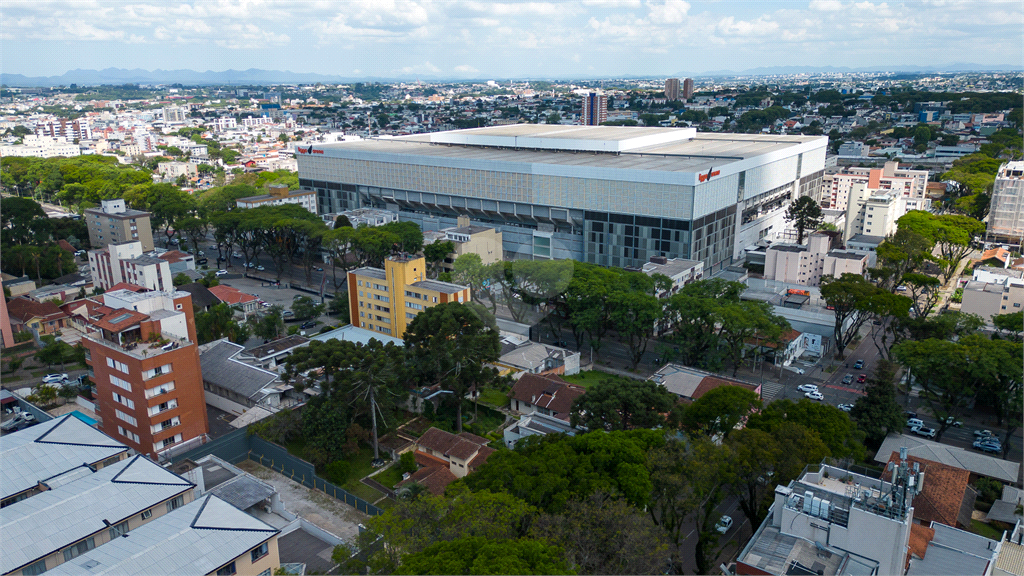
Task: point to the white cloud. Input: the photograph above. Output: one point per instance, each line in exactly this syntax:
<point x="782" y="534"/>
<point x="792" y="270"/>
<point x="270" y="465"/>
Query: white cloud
<point x="669" y="11"/>
<point x="465" y="69"/>
<point x="826" y="5"/>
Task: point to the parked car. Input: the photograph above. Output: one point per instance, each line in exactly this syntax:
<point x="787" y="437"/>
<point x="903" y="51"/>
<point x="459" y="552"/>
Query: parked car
<point x="858" y="364"/>
<point x="266" y="304"/>
<point x="983" y="434"/>
<point x="923" y="431"/>
<point x="954" y="422"/>
<point x="221" y="272"/>
<point x="723" y="524"/>
<point x="989" y="447"/>
<point x="848" y="379"/>
<point x="287" y="313"/>
<point x="308" y="324"/>
<point x="862" y="378"/>
<point x="845" y="407"/>
<point x="236" y="254"/>
<point x="22" y="420"/>
<point x="814" y="395"/>
<point x="55" y="378"/>
<point x="807" y="388"/>
<point x="910" y="414"/>
<point x="318" y="269"/>
<point x="201" y="261"/>
<point x="914" y="423"/>
<point x="260" y="268"/>
<point x="901" y="288"/>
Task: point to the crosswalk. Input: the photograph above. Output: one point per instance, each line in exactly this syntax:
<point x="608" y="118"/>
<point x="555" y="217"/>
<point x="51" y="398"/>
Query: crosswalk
<point x="769" y="390"/>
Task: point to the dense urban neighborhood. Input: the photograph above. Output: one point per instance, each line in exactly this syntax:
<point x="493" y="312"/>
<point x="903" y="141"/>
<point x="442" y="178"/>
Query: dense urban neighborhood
<point x="743" y="325"/>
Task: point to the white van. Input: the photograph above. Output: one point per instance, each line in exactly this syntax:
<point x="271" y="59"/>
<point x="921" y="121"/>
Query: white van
<point x="912" y="422"/>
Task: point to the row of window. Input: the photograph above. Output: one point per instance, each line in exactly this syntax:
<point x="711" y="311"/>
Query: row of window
<point x="128" y="434"/>
<point x="161" y="389"/>
<point x="127" y="418"/>
<point x="123" y="400"/>
<point x="119" y="366"/>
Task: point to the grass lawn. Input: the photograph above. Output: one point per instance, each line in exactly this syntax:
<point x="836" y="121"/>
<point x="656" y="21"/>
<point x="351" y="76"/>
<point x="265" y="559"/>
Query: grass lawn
<point x="357" y="488"/>
<point x="493" y="397"/>
<point x="982" y="529"/>
<point x="389" y="477"/>
<point x="591" y="377"/>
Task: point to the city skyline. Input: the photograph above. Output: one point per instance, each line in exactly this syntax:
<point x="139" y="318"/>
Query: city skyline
<point x="476" y="40"/>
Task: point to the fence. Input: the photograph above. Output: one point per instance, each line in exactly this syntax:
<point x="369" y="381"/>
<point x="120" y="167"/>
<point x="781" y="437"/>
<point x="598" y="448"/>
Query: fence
<point x="239" y="445"/>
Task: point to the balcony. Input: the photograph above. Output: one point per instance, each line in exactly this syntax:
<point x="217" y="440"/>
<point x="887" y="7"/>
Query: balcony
<point x="129" y="342"/>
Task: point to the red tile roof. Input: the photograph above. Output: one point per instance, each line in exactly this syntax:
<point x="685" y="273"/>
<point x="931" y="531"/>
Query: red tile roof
<point x="481" y="458"/>
<point x="709" y="383"/>
<point x="434" y="478"/>
<point x="426" y="460"/>
<point x="65" y="245"/>
<point x="125" y="319"/>
<point x="126" y="286"/>
<point x="230" y="295"/>
<point x="547" y="391"/>
<point x="920" y="536"/>
<point x="943" y="493"/>
<point x="173" y="256"/>
<point x="462" y="446"/>
<point x="24" y="310"/>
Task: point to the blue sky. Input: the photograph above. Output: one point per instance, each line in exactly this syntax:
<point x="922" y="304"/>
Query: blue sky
<point x="481" y="39"/>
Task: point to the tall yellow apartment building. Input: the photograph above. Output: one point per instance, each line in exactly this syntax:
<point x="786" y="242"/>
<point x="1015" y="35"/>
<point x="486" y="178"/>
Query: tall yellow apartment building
<point x="387" y="300"/>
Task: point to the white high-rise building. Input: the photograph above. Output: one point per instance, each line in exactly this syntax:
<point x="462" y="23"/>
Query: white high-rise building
<point x="1006" y="214"/>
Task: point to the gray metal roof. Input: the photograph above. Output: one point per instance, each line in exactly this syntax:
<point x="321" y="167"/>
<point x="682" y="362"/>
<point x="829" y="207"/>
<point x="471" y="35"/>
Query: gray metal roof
<point x="438" y="286"/>
<point x="703" y="151"/>
<point x="370" y="273"/>
<point x="198" y="538"/>
<point x="50" y="449"/>
<point x="362" y="336"/>
<point x="981" y="464"/>
<point x="954" y="552"/>
<point x="243" y="492"/>
<point x="221" y="369"/>
<point x="43" y="524"/>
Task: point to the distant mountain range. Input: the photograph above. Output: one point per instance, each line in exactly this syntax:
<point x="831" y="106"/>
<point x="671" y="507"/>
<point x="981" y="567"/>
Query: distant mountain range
<point x="255" y="76"/>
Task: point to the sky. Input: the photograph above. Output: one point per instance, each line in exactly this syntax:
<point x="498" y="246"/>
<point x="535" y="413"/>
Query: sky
<point x="493" y="40"/>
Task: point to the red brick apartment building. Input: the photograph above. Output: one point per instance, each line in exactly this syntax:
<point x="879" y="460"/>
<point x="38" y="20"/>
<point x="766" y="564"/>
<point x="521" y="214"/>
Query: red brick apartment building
<point x="143" y="357"/>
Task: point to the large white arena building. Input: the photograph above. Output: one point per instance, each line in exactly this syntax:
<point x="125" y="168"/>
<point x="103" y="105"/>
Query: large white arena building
<point x="608" y="195"/>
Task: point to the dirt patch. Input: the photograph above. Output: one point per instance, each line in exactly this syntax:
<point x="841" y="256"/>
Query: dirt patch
<point x="322" y="510"/>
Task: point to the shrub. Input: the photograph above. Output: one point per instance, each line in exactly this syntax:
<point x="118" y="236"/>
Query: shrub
<point x="337" y="472"/>
<point x="407" y="462"/>
<point x="23" y="336"/>
<point x="989" y="490"/>
<point x="293" y="330"/>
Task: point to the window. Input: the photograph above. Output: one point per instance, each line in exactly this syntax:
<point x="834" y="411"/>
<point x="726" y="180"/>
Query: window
<point x="161" y="389"/>
<point x="259" y="552"/>
<point x="78" y="549"/>
<point x="122" y="400"/>
<point x="35" y="568"/>
<point x="147" y="514"/>
<point x="118" y="530"/>
<point x="227" y="570"/>
<point x="127" y="418"/>
<point x="121" y="366"/>
<point x="176" y="503"/>
<point x="122" y="384"/>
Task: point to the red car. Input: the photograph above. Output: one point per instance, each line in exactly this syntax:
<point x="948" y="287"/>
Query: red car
<point x="862" y="378"/>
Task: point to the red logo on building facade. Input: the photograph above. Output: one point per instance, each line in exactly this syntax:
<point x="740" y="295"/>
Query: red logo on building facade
<point x="708" y="176"/>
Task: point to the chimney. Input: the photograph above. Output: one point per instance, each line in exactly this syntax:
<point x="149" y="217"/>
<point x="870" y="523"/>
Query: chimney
<point x="462" y="221"/>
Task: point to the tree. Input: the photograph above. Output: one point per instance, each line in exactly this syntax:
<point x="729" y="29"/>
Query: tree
<point x="305" y="307"/>
<point x="877" y="413"/>
<point x="622" y="405"/>
<point x="339" y="306"/>
<point x="745" y="320"/>
<point x="805" y="214"/>
<point x="270" y="325"/>
<point x="342" y="221"/>
<point x="449" y="344"/>
<point x="750" y="464"/>
<point x="924" y="291"/>
<point x="1010" y="326"/>
<point x="436" y="253"/>
<point x="477" y="555"/>
<point x="830" y="424"/>
<point x="848" y="297"/>
<point x="54" y="352"/>
<point x="719" y="410"/>
<point x="687" y="484"/>
<point x="902" y="253"/>
<point x="951" y="235"/>
<point x="180" y="279"/>
<point x="554" y="118"/>
<point x="604" y="535"/>
<point x="634" y="316"/>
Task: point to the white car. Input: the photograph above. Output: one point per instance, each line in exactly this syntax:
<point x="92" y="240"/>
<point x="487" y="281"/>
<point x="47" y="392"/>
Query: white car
<point x="260" y="268"/>
<point x="723" y="524"/>
<point x="55" y="378"/>
<point x="807" y="388"/>
<point x="221" y="272"/>
<point x="814" y="395"/>
<point x="845" y="407"/>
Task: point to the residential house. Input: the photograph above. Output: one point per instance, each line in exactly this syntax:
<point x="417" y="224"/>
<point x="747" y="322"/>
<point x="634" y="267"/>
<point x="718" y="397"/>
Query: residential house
<point x="19" y="286"/>
<point x="544" y="393"/>
<point x="231" y="296"/>
<point x="235" y="386"/>
<point x="202" y="298"/>
<point x="273" y="353"/>
<point x="536" y="424"/>
<point x="460" y="453"/>
<point x="978" y="464"/>
<point x="43" y="317"/>
<point x="946" y="496"/>
<point x="537" y="358"/>
<point x="690" y="384"/>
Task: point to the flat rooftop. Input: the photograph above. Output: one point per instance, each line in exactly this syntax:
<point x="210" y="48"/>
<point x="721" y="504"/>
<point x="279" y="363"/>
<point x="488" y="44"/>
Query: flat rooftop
<point x="617" y="147"/>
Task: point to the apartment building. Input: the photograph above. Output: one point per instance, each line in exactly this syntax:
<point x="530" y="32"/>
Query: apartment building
<point x="87" y="510"/>
<point x="912" y="184"/>
<point x="125" y="263"/>
<point x="1006" y="217"/>
<point x="42" y="147"/>
<point x="687" y="88"/>
<point x="78" y="129"/>
<point x="278" y="195"/>
<point x="833" y="521"/>
<point x="672" y="89"/>
<point x="177" y="169"/>
<point x="873" y="212"/>
<point x="679" y="270"/>
<point x="175" y="114"/>
<point x="595" y="108"/>
<point x="387" y="300"/>
<point x="994" y="291"/>
<point x="807" y="265"/>
<point x="143" y="358"/>
<point x="114" y="223"/>
<point x="49" y="453"/>
<point x="207" y="536"/>
<point x="484" y="241"/>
